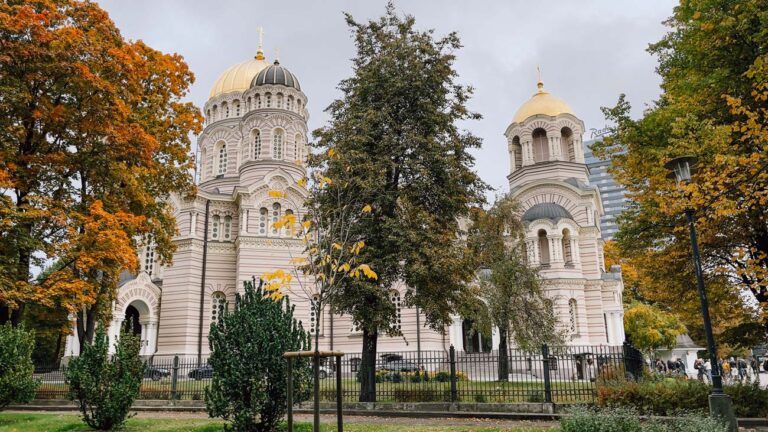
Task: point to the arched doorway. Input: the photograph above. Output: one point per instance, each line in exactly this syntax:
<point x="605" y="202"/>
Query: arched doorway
<point x="132" y="321"/>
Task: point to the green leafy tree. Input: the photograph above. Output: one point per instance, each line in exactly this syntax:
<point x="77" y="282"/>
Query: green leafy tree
<point x="104" y="386"/>
<point x="510" y="290"/>
<point x="16" y="382"/>
<point x="650" y="327"/>
<point x="248" y="388"/>
<point x="714" y="70"/>
<point x="395" y="135"/>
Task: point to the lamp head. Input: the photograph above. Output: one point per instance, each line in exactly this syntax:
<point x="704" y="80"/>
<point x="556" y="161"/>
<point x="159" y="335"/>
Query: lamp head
<point x="681" y="168"/>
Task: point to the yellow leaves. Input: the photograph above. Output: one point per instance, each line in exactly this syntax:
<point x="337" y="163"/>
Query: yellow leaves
<point x="331" y="152"/>
<point x="344" y="267"/>
<point x="288" y="221"/>
<point x="336" y="246"/>
<point x="276" y="194"/>
<point x="298" y="260"/>
<point x="364" y="270"/>
<point x="302" y="182"/>
<point x="306" y="225"/>
<point x="367" y="208"/>
<point x="275" y="282"/>
<point x="357" y="247"/>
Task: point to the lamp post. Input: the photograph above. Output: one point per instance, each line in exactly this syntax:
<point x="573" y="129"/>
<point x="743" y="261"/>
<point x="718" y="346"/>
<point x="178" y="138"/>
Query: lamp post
<point x="720" y="404"/>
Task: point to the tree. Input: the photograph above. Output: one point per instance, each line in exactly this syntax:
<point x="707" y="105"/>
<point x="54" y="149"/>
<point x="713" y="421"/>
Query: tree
<point x="248" y="388"/>
<point x="17" y="384"/>
<point x="104" y="386"/>
<point x="511" y="291"/>
<point x="650" y="328"/>
<point x="93" y="139"/>
<point x="713" y="71"/>
<point x="395" y="133"/>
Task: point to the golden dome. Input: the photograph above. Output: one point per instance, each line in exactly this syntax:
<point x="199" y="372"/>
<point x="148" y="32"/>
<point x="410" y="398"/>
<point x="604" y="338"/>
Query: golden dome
<point x="541" y="103"/>
<point x="238" y="77"/>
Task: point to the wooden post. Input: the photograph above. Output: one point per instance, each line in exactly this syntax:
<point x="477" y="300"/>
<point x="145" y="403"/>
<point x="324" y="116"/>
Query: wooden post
<point x="339" y="395"/>
<point x="290" y="394"/>
<point x="316" y="366"/>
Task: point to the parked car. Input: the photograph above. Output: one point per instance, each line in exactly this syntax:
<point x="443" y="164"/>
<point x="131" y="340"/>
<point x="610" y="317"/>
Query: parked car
<point x="201" y="372"/>
<point x="155" y="373"/>
<point x="400" y="366"/>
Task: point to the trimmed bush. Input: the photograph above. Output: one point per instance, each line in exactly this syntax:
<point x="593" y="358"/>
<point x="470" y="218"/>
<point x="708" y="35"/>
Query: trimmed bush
<point x="248" y="388"/>
<point x="421" y="395"/>
<point x="104" y="388"/>
<point x="669" y="396"/>
<point x="583" y="419"/>
<point x="16" y="382"/>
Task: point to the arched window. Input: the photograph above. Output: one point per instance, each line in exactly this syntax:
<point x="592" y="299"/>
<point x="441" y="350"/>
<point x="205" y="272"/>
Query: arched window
<point x="263" y="217"/>
<point x="256" y="144"/>
<point x="215" y="113"/>
<point x="227" y="231"/>
<point x="248" y="104"/>
<point x="567" y="252"/>
<point x="298" y="105"/>
<point x="394" y="297"/>
<point x="540" y="146"/>
<point x="222" y="167"/>
<point x="275" y="216"/>
<point x="314" y="314"/>
<point x="279" y="100"/>
<point x="268" y="101"/>
<point x="297" y="142"/>
<point x="289" y="103"/>
<point x="215" y="228"/>
<point x="225" y="109"/>
<point x="258" y="101"/>
<point x="277" y="144"/>
<point x="218" y="305"/>
<point x="567" y="151"/>
<point x="288" y="230"/>
<point x="237" y="108"/>
<point x="149" y="255"/>
<point x="517" y="153"/>
<point x="573" y="311"/>
<point x="543" y="248"/>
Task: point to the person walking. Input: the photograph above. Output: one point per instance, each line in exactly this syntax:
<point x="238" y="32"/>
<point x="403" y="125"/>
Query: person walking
<point x="708" y="370"/>
<point x="700" y="371"/>
<point x="726" y="369"/>
<point x="755" y="366"/>
<point x="741" y="364"/>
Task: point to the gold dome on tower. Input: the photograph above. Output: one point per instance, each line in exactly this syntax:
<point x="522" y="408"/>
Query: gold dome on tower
<point x="541" y="103"/>
<point x="238" y="77"/>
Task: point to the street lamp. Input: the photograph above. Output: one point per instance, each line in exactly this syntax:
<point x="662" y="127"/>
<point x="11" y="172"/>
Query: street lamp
<point x="720" y="404"/>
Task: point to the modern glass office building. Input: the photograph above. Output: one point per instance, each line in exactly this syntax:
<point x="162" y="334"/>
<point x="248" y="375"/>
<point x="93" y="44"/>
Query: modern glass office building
<point x="612" y="193"/>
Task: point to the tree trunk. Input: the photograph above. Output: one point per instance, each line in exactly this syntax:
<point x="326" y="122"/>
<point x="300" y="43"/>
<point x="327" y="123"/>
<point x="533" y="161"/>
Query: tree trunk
<point x="368" y="367"/>
<point x="503" y="356"/>
<point x="86" y="326"/>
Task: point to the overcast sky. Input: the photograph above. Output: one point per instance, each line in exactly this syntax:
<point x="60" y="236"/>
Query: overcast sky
<point x="589" y="51"/>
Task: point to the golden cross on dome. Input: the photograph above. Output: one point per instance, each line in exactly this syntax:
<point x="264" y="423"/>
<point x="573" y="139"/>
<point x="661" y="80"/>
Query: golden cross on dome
<point x="260" y="51"/>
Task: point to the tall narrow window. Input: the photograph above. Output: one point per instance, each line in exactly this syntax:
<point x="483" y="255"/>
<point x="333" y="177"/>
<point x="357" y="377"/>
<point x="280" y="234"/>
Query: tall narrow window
<point x="256" y="144"/>
<point x="149" y="255"/>
<point x="298" y="105"/>
<point x="215" y="113"/>
<point x="258" y="101"/>
<point x="289" y="103"/>
<point x="268" y="100"/>
<point x="227" y="227"/>
<point x="573" y="316"/>
<point x="237" y="108"/>
<point x="297" y="147"/>
<point x="263" y="216"/>
<point x="275" y="216"/>
<point x="540" y="146"/>
<point x="394" y="296"/>
<point x="248" y="104"/>
<point x="279" y="101"/>
<point x="215" y="228"/>
<point x="222" y="159"/>
<point x="277" y="144"/>
<point x="314" y="314"/>
<point x="543" y="248"/>
<point x="218" y="304"/>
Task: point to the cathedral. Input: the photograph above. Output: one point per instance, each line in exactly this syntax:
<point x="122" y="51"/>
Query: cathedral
<point x="251" y="155"/>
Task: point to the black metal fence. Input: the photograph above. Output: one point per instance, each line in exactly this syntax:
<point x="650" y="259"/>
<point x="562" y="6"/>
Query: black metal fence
<point x="560" y="374"/>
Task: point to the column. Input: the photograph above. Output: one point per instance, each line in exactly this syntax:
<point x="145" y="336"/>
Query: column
<point x="527" y="152"/>
<point x="193" y="223"/>
<point x="578" y="149"/>
<point x="555" y="249"/>
<point x="143" y="338"/>
<point x="511" y="151"/>
<point x="555" y="152"/>
<point x="575" y="250"/>
<point x="151" y="336"/>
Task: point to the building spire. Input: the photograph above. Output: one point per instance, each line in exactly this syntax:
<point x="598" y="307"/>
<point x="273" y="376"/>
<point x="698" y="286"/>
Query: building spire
<point x="539" y="83"/>
<point x="260" y="51"/>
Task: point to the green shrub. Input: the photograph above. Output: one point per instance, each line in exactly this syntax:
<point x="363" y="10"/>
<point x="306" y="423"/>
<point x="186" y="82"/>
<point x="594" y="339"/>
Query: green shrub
<point x="16" y="382"/>
<point x="443" y="376"/>
<point x="104" y="388"/>
<point x="584" y="419"/>
<point x="536" y="397"/>
<point x="481" y="398"/>
<point x="669" y="396"/>
<point x="248" y="388"/>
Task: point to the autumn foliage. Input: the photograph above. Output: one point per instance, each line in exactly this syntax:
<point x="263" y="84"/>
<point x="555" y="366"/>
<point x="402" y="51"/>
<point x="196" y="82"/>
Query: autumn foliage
<point x="95" y="137"/>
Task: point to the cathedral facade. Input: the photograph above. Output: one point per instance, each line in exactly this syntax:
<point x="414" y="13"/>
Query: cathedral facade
<point x="251" y="156"/>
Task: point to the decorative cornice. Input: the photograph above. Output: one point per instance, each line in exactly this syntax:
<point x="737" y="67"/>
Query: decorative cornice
<point x="254" y="242"/>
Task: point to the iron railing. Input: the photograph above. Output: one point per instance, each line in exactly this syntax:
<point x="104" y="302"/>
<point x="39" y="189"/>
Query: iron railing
<point x="560" y="374"/>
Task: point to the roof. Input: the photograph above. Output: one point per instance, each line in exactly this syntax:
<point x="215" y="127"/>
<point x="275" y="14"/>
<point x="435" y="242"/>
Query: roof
<point x="550" y="211"/>
<point x="685" y="341"/>
<point x="238" y="77"/>
<point x="541" y="102"/>
<point x="276" y="75"/>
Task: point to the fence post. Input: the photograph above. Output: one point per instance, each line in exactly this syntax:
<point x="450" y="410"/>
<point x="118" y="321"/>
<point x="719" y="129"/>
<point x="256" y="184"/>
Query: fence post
<point x="547" y="378"/>
<point x="289" y="395"/>
<point x="452" y="352"/>
<point x="174" y="377"/>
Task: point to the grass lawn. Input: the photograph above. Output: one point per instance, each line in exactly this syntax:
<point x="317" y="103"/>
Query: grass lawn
<point x="19" y="422"/>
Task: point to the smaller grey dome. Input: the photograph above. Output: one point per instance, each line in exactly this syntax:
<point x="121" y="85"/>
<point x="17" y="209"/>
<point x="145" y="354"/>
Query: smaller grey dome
<point x="276" y="75"/>
<point x="550" y="211"/>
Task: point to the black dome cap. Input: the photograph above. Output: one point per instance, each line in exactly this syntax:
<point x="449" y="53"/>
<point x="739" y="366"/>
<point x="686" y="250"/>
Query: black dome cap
<point x="276" y="75"/>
